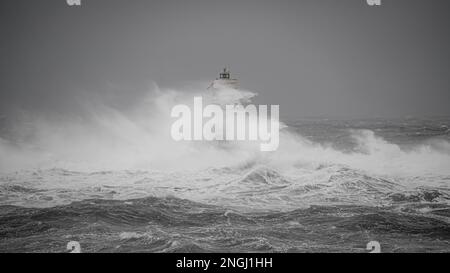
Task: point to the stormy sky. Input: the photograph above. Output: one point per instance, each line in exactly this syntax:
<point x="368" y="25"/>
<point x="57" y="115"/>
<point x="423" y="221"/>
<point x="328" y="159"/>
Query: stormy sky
<point x="312" y="57"/>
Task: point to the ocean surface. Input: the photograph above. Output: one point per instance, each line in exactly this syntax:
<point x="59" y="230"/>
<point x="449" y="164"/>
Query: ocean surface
<point x="333" y="186"/>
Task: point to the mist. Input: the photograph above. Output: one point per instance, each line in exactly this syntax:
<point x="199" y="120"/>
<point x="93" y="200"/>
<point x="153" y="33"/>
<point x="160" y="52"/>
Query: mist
<point x="105" y="138"/>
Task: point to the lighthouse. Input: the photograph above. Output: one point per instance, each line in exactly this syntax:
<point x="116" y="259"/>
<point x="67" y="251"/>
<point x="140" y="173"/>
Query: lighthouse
<point x="224" y="81"/>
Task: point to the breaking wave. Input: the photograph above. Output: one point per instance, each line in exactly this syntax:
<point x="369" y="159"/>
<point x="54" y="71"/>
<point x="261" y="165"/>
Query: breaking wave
<point x="104" y="138"/>
<point x="112" y="154"/>
<point x="116" y="182"/>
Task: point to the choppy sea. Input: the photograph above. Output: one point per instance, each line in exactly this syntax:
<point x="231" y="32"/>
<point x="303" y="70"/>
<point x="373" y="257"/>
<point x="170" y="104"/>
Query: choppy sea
<point x="333" y="186"/>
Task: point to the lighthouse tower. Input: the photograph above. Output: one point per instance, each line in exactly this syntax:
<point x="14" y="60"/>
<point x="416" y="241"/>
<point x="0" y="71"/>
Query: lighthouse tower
<point x="224" y="81"/>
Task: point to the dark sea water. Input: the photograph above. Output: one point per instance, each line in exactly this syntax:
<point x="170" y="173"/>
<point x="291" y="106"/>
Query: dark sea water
<point x="333" y="187"/>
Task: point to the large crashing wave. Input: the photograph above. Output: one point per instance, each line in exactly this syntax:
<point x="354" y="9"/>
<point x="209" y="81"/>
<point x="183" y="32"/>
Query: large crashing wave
<point x="111" y="154"/>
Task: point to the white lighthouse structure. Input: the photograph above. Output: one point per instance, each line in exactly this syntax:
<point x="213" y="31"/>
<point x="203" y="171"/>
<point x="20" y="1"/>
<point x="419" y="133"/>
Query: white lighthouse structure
<point x="224" y="81"/>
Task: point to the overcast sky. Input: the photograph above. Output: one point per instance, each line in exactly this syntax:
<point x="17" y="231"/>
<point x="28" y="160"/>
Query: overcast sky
<point x="312" y="57"/>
